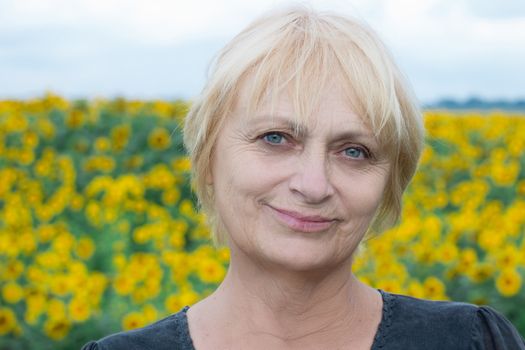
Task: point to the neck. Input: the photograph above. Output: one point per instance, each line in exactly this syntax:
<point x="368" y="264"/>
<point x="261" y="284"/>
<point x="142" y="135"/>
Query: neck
<point x="286" y="292"/>
<point x="294" y="307"/>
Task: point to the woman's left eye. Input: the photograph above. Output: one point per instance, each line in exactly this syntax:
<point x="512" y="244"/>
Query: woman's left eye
<point x="356" y="152"/>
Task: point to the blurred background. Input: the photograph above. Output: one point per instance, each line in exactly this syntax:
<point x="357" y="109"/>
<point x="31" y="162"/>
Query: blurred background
<point x="98" y="226"/>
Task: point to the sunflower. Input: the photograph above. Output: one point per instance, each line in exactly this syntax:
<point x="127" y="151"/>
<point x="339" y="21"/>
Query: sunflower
<point x="159" y="139"/>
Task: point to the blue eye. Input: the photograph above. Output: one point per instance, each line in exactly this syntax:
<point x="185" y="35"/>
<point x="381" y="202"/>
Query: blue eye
<point x="273" y="138"/>
<point x="356" y="152"/>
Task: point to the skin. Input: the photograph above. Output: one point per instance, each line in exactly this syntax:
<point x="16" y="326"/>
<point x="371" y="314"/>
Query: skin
<point x="296" y="200"/>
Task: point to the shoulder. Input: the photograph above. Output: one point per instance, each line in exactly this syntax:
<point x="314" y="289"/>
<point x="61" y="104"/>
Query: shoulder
<point x="415" y="309"/>
<point x="168" y="333"/>
<point x="418" y="323"/>
<point x="494" y="331"/>
<point x="447" y="325"/>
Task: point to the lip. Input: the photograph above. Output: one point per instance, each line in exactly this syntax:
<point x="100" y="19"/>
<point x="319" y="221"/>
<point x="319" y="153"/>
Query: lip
<point x="301" y="223"/>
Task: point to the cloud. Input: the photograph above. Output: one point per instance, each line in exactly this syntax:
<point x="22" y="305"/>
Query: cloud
<point x="154" y="21"/>
<point x="501" y="9"/>
<point x="154" y="47"/>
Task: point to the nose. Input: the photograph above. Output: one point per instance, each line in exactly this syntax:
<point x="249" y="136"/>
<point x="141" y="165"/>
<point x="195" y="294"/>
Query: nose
<point x="311" y="178"/>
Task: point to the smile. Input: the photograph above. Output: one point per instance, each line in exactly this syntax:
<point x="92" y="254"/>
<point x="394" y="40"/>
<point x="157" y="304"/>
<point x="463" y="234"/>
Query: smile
<point x="301" y="223"/>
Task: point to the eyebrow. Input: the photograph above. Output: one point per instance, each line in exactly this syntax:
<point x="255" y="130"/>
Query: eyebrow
<point x="279" y="121"/>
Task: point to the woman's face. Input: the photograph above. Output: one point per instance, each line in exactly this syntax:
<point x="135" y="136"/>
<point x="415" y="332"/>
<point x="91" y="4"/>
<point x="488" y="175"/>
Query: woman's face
<point x="297" y="196"/>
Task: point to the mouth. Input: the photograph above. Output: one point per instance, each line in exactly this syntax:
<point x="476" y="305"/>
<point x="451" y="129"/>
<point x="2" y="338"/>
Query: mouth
<point x="301" y="223"/>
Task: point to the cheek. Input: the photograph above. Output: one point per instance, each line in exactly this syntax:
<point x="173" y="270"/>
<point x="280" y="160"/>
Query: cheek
<point x="240" y="180"/>
<point x="247" y="173"/>
<point x="363" y="192"/>
<point x="239" y="186"/>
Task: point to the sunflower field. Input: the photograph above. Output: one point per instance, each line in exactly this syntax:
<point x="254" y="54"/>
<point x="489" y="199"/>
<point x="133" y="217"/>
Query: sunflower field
<point x="99" y="232"/>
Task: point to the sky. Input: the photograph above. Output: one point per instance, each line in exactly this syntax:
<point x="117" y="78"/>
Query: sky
<point x="161" y="48"/>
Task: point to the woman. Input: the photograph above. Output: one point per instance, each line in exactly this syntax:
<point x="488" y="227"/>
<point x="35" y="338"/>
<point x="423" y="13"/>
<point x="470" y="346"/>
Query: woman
<point x="302" y="143"/>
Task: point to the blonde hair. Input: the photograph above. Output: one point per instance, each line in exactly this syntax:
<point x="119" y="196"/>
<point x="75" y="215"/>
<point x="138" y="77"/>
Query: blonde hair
<point x="301" y="50"/>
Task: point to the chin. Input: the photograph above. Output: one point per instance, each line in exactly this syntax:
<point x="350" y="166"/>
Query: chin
<point x="301" y="255"/>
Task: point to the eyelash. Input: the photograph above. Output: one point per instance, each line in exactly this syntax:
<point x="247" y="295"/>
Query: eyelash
<point x="366" y="153"/>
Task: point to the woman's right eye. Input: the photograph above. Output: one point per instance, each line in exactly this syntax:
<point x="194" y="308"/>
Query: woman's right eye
<point x="274" y="138"/>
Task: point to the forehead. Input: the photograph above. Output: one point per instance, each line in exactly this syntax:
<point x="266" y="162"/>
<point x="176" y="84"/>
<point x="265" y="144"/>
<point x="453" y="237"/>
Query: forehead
<point x="331" y="106"/>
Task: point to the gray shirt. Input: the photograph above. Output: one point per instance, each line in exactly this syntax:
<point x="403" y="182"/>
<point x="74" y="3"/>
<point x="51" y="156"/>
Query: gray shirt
<point x="407" y="323"/>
